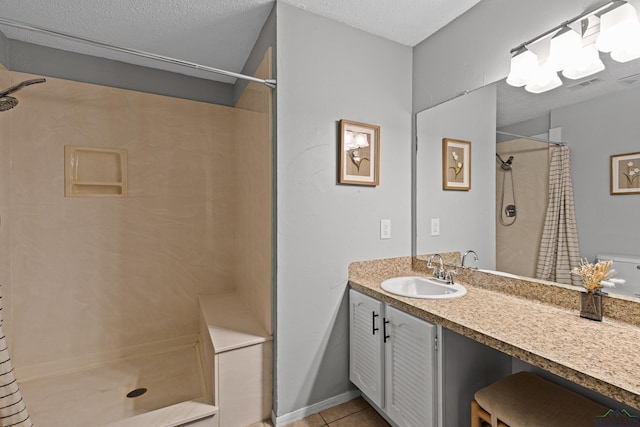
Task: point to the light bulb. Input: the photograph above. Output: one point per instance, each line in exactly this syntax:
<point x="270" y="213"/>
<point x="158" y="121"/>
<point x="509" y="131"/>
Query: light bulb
<point x="565" y="46"/>
<point x="616" y="26"/>
<point x="628" y="49"/>
<point x="523" y="66"/>
<point x="625" y="55"/>
<point x="585" y="63"/>
<point x="545" y="79"/>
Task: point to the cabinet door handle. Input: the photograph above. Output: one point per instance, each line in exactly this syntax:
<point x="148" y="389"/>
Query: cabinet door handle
<point x="373" y="322"/>
<point x="384" y="327"/>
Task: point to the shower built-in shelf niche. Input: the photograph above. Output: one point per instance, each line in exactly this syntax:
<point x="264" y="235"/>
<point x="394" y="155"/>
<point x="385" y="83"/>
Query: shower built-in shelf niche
<point x="95" y="172"/>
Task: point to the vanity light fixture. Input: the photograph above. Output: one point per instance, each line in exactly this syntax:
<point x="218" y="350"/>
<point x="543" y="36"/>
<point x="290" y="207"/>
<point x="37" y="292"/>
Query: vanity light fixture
<point x="573" y="47"/>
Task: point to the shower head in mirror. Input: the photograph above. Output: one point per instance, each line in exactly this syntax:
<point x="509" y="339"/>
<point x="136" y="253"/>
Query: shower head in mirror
<point x="505" y="165"/>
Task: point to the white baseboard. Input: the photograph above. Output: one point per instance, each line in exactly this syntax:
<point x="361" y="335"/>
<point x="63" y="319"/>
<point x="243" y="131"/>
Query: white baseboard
<point x="313" y="409"/>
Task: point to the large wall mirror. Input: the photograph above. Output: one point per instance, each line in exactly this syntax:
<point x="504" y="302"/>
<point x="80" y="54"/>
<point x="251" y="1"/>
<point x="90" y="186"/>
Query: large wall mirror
<point x="597" y="117"/>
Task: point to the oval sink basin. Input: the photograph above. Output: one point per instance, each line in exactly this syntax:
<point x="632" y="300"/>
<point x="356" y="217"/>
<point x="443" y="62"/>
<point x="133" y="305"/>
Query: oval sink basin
<point x="422" y="287"/>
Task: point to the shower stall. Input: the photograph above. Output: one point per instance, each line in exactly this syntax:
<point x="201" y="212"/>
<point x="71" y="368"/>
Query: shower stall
<point x="537" y="236"/>
<point x="100" y="292"/>
<point x="522" y="184"/>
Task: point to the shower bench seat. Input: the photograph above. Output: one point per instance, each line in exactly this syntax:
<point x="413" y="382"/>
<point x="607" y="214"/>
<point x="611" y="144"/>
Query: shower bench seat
<point x="237" y="358"/>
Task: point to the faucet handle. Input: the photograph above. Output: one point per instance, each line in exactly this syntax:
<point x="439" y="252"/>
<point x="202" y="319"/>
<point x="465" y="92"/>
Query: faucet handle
<point x="449" y="276"/>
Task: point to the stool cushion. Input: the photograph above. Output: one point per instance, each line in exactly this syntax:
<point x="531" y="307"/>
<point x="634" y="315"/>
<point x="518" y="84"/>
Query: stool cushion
<point x="527" y="400"/>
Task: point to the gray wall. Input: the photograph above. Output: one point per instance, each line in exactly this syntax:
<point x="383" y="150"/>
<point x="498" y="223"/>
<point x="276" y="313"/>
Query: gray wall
<point x="467" y="218"/>
<point x="46" y="61"/>
<point x="473" y="50"/>
<point x="595" y="130"/>
<point x="328" y="72"/>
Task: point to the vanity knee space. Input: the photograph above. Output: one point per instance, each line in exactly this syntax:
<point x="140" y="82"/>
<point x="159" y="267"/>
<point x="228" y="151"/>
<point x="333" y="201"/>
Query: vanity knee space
<point x="521" y="398"/>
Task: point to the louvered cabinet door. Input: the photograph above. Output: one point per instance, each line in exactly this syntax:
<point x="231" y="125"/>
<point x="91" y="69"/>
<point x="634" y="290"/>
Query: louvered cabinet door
<point x="366" y="351"/>
<point x="410" y="361"/>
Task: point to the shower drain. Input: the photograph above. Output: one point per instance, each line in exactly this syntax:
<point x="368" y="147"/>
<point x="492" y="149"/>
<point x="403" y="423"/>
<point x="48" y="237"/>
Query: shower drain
<point x="137" y="392"/>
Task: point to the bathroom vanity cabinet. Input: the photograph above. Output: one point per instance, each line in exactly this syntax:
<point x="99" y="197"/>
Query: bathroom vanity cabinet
<point x="421" y="374"/>
<point x="393" y="360"/>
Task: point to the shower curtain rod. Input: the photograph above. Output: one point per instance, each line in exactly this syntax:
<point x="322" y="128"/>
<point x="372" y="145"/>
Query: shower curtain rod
<point x="561" y="143"/>
<point x="16" y="24"/>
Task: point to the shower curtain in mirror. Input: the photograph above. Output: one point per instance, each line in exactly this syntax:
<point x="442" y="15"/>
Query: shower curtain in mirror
<point x="559" y="249"/>
<point x="13" y="411"/>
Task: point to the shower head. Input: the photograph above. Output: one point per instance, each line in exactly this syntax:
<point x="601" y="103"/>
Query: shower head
<point x="505" y="165"/>
<point x="20" y="86"/>
<point x="8" y="102"/>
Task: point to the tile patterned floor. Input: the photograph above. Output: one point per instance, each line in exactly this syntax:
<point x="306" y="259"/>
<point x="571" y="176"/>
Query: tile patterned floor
<point x="355" y="413"/>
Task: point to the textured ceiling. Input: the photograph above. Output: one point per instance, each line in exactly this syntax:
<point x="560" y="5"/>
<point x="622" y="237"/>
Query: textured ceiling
<point x="407" y="22"/>
<point x="215" y="33"/>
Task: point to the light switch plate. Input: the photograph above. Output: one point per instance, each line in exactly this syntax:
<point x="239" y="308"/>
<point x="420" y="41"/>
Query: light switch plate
<point x="385" y="229"/>
<point x="435" y="226"/>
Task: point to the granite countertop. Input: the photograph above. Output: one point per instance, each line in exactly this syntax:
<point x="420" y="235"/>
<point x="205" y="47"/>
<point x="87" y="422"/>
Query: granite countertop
<point x="602" y="356"/>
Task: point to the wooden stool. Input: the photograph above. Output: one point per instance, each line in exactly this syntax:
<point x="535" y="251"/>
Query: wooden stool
<point x="525" y="399"/>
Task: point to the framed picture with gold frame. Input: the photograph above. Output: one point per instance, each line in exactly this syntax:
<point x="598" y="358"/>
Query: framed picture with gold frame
<point x="359" y="153"/>
<point x="625" y="174"/>
<point x="456" y="164"/>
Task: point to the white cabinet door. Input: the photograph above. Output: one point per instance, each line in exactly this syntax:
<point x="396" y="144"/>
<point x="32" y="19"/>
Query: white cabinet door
<point x="366" y="350"/>
<point x="410" y="365"/>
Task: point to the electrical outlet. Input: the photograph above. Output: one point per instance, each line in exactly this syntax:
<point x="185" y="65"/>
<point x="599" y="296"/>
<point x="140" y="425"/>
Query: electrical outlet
<point x="435" y="226"/>
<point x="385" y="229"/>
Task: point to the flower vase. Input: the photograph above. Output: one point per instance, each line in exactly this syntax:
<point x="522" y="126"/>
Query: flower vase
<point x="591" y="305"/>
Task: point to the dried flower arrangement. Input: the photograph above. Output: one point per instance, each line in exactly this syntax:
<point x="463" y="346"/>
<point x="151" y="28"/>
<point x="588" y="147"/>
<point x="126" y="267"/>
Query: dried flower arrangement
<point x="593" y="275"/>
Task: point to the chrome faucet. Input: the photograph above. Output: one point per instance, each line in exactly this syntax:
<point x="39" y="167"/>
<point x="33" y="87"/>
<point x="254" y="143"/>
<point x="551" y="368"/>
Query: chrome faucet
<point x="437" y="273"/>
<point x="475" y="258"/>
<point x="441" y="274"/>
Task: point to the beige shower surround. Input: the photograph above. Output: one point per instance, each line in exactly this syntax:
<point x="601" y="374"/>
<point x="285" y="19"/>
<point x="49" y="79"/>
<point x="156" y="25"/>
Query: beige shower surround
<point x="85" y="277"/>
<point x="517" y="246"/>
<point x="253" y="145"/>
